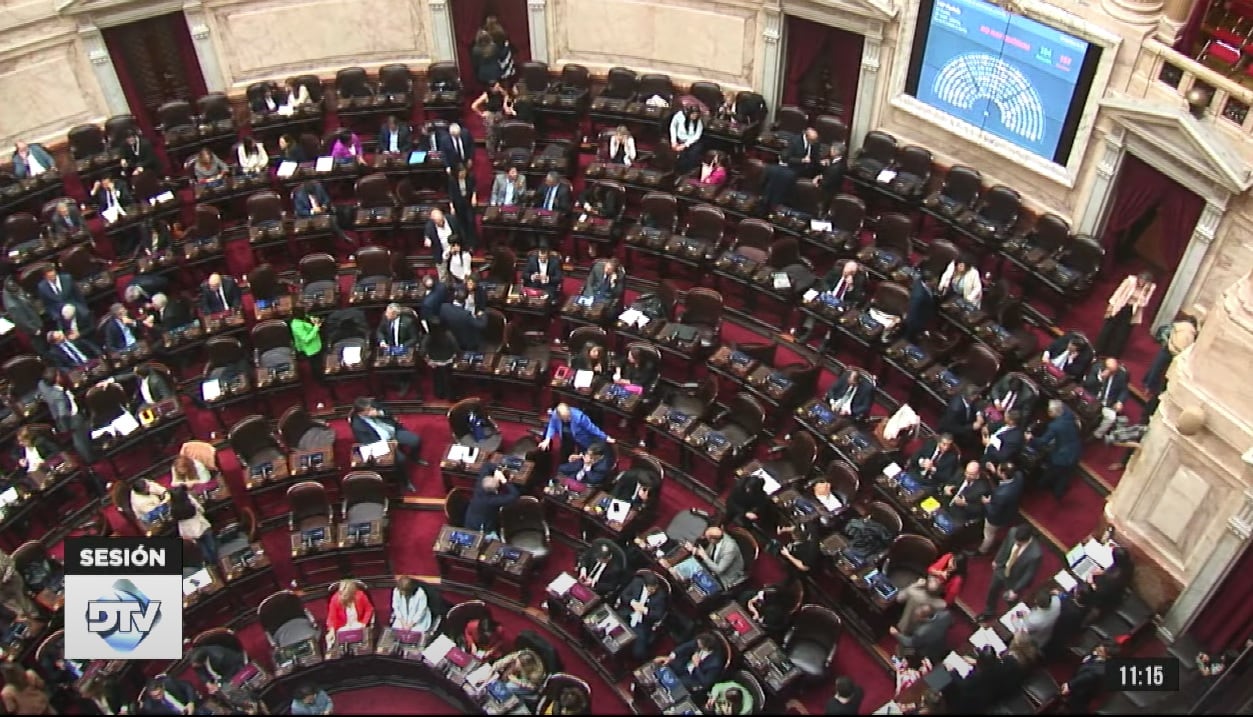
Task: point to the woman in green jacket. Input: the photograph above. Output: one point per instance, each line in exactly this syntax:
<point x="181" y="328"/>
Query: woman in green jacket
<point x="306" y="333"/>
<point x="729" y="698"/>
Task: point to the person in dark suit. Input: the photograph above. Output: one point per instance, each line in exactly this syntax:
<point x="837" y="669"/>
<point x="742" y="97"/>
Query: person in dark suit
<point x="219" y="294"/>
<point x="847" y="698"/>
<point x="1063" y="445"/>
<point x="168" y="696"/>
<point x="1004" y="443"/>
<point x="265" y="103"/>
<point x="151" y="385"/>
<point x="929" y="636"/>
<point x="635" y="486"/>
<point x="138" y="155"/>
<point x="1069" y="353"/>
<point x="67" y="220"/>
<point x="601" y="567"/>
<point x="593" y="467"/>
<point x="31" y="160"/>
<point x="457" y="146"/>
<point x="121" y="332"/>
<point x="937" y="461"/>
<point x="71" y="353"/>
<point x="749" y="504"/>
<point x="398" y="328"/>
<point x="1089" y="678"/>
<point x="110" y="196"/>
<point x="309" y="199"/>
<point x="597" y="200"/>
<point x="642" y="605"/>
<point x="554" y="195"/>
<point x="167" y="314"/>
<point x="68" y="417"/>
<point x="1010" y="393"/>
<point x="845" y="281"/>
<point x="1000" y="507"/>
<point x="393" y="137"/>
<point x="543" y="271"/>
<point x="436" y="296"/>
<point x="74" y="324"/>
<point x="1013" y="568"/>
<point x="697" y="663"/>
<point x="371" y="424"/>
<point x="463" y="197"/>
<point x="959" y="416"/>
<point x="964" y="498"/>
<point x="778" y="180"/>
<point x="851" y="396"/>
<point x="637" y="369"/>
<point x="607" y="284"/>
<point x="804" y="154"/>
<point x="216" y="664"/>
<point x="56" y="289"/>
<point x="1108" y="383"/>
<point x="920" y="309"/>
<point x="465" y="327"/>
<point x="437" y="236"/>
<point x="492" y="492"/>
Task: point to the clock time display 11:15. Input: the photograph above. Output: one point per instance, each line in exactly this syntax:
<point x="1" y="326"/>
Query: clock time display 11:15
<point x="1143" y="674"/>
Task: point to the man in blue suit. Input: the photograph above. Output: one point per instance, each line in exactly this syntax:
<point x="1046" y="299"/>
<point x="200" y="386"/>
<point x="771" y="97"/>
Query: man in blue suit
<point x="458" y="147"/>
<point x="697" y="663"/>
<point x="493" y="492"/>
<point x="310" y="199"/>
<point x="1061" y="439"/>
<point x="574" y="428"/>
<point x="592" y="467"/>
<point x="1004" y="443"/>
<point x="1000" y="507"/>
<point x="31" y="160"/>
<point x="642" y="604"/>
<point x="851" y="396"/>
<point x="1108" y="382"/>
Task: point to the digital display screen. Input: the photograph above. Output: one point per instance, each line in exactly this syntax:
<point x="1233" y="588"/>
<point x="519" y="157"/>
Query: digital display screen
<point x="1006" y="74"/>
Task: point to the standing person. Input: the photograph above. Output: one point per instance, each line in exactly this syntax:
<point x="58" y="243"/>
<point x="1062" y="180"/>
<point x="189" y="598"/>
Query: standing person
<point x="491" y="108"/>
<point x="1000" y="506"/>
<point x="1124" y="310"/>
<point x="13" y="595"/>
<point x="1178" y="336"/>
<point x="1061" y="438"/>
<point x="306" y="334"/>
<point x="192" y="523"/>
<point x="463" y="196"/>
<point x="575" y="430"/>
<point x="1013" y="569"/>
<point x="504" y="48"/>
<point x="484" y="55"/>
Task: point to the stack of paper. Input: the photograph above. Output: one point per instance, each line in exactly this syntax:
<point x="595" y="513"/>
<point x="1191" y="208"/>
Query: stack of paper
<point x="1101" y="553"/>
<point x="656" y="540"/>
<point x="769" y="485"/>
<point x="1065" y="580"/>
<point x="286" y="169"/>
<point x="886" y="176"/>
<point x="617" y="511"/>
<point x="111" y="213"/>
<point x="1012" y="619"/>
<point x="378" y="449"/>
<point x="987" y="637"/>
<point x="211" y="389"/>
<point x="884" y="318"/>
<point x="955" y="663"/>
<point x="437" y="650"/>
<point x="891" y="470"/>
<point x="634" y="317"/>
<point x="125" y="424"/>
<point x="562" y="584"/>
<point x="583" y="379"/>
<point x="166" y="196"/>
<point x="324" y="164"/>
<point x="9" y="497"/>
<point x="809" y="296"/>
<point x="350" y="356"/>
<point x="819" y="225"/>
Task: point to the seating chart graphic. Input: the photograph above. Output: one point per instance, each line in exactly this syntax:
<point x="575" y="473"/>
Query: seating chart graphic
<point x="975" y="78"/>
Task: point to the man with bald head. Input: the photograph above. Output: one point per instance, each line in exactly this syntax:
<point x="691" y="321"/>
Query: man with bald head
<point x="964" y="499"/>
<point x="1107" y="382"/>
<point x="437" y="237"/>
<point x="846" y="283"/>
<point x="575" y="430"/>
<point x="219" y="294"/>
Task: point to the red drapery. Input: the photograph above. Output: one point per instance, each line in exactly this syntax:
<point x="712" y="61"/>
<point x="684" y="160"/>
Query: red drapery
<point x="174" y="27"/>
<point x="468" y="17"/>
<point x="1191" y="31"/>
<point x="1227" y="619"/>
<point x="1140" y="188"/>
<point x="806" y="42"/>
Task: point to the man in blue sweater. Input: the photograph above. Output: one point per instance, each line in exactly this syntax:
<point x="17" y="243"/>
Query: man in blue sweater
<point x="574" y="428"/>
<point x="493" y="492"/>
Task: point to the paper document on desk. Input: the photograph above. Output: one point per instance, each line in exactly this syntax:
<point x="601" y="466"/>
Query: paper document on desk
<point x="769" y="485"/>
<point x="456" y="452"/>
<point x="562" y="584"/>
<point x="101" y="432"/>
<point x="9" y="497"/>
<point x="286" y="169"/>
<point x="884" y="318"/>
<point x="324" y="164"/>
<point x="1013" y="618"/>
<point x="378" y="449"/>
<point x="886" y="176"/>
<point x="957" y="664"/>
<point x="987" y="637"/>
<point x="617" y="511"/>
<point x="437" y="650"/>
<point x="111" y="213"/>
<point x="891" y="470"/>
<point x="809" y="296"/>
<point x="782" y="280"/>
<point x="481" y="675"/>
<point x="166" y="196"/>
<point x="583" y="379"/>
<point x="6" y="326"/>
<point x="819" y="225"/>
<point x="194" y="582"/>
<point x="211" y="389"/>
<point x="350" y="356"/>
<point x="1102" y="554"/>
<point x="125" y="424"/>
<point x="656" y="540"/>
<point x="1065" y="580"/>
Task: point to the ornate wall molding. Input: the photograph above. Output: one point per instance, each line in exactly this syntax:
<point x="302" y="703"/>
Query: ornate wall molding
<point x="537" y="28"/>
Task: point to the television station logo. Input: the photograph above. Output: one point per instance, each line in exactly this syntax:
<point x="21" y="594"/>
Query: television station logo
<point x="123" y="598"/>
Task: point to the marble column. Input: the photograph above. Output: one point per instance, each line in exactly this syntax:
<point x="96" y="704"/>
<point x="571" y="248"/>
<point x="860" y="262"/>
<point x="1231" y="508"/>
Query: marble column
<point x="771" y="80"/>
<point x="537" y="28"/>
<point x="1174" y="16"/>
<point x="1134" y="12"/>
<point x="867" y="90"/>
<point x="441" y="31"/>
<point x="102" y="67"/>
<point x="1092" y="220"/>
<point x="1190" y="264"/>
<point x="206" y="52"/>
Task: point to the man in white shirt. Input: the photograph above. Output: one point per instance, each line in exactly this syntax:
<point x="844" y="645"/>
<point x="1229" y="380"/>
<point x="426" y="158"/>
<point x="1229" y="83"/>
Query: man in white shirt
<point x="31" y="160"/>
<point x="508" y="188"/>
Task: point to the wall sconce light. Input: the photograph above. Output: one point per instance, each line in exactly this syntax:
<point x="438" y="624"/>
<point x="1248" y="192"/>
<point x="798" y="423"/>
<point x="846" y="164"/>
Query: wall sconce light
<point x="1198" y="101"/>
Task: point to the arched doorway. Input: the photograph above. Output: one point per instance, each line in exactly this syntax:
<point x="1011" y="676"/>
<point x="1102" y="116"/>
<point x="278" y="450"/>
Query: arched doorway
<point x="155" y="62"/>
<point x="821" y="68"/>
<point x="467" y="19"/>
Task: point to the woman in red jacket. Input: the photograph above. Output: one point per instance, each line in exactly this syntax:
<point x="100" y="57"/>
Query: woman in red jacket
<point x="349" y="608"/>
<point x="948" y="571"/>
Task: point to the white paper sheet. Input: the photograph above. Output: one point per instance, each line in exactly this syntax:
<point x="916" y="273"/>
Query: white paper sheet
<point x="324" y="164"/>
<point x="481" y="675"/>
<point x="111" y="214"/>
<point x="583" y="379"/>
<point x="378" y="449"/>
<point x="956" y="663"/>
<point x="437" y="650"/>
<point x="166" y="196"/>
<point x="809" y="296"/>
<point x="782" y="280"/>
<point x="1100" y="552"/>
<point x="197" y="580"/>
<point x="819" y="225"/>
<point x="656" y="540"/>
<point x="287" y="169"/>
<point x="6" y="326"/>
<point x="350" y="356"/>
<point x="987" y="637"/>
<point x="9" y="497"/>
<point x="1012" y="619"/>
<point x="211" y="389"/>
<point x="562" y="584"/>
<point x="456" y="452"/>
<point x="1065" y="580"/>
<point x="886" y="176"/>
<point x="617" y="510"/>
<point x="831" y="502"/>
<point x="125" y="424"/>
<point x="769" y="485"/>
<point x="892" y="470"/>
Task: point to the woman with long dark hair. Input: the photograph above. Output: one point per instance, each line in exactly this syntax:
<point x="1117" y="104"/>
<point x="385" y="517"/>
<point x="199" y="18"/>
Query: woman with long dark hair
<point x="192" y="523"/>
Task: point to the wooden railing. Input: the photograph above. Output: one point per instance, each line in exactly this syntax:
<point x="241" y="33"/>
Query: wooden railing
<point x="1171" y="73"/>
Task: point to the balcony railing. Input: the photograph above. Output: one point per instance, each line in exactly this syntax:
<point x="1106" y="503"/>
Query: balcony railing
<point x="1228" y="102"/>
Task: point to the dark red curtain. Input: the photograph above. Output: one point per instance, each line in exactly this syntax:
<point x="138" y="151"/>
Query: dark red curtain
<point x="134" y="95"/>
<point x="846" y="50"/>
<point x="187" y="54"/>
<point x="1139" y="189"/>
<point x="1227" y="619"/>
<point x="805" y="42"/>
<point x="468" y="17"/>
<point x="1191" y="31"/>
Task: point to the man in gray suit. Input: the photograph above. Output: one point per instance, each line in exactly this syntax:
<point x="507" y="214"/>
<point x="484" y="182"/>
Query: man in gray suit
<point x="1013" y="569"/>
<point x="718" y="553"/>
<point x="929" y="637"/>
<point x="68" y="417"/>
<point x="605" y="282"/>
<point x="508" y="188"/>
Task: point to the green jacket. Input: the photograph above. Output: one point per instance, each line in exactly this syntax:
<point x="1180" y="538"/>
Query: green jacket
<point x="307" y="337"/>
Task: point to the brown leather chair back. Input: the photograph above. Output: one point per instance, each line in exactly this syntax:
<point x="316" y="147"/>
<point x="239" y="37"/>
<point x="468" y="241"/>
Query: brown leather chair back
<point x="263" y="207"/>
<point x="374" y="261"/>
<point x="662" y="208"/>
<point x="709" y="93"/>
<point x="620" y="83"/>
<point x="395" y="79"/>
<point x="893" y="232"/>
<point x="791" y="119"/>
<point x="374" y="190"/>
<point x="318" y="267"/>
<point x="657" y="84"/>
<point x="706" y="222"/>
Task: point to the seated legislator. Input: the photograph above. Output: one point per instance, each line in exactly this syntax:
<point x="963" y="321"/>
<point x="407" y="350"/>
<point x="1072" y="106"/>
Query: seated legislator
<point x="1108" y="382"/>
<point x="622" y="146"/>
<point x="411" y="610"/>
<point x="121" y="332"/>
<point x="543" y="271"/>
<point x="57" y="289"/>
<point x="167" y="314"/>
<point x="297" y="95"/>
<point x="748" y="503"/>
<point x="482" y="638"/>
<point x="151" y="386"/>
<point x="851" y="396"/>
<point x="31" y="160"/>
<point x="573" y="428"/>
<point x="492" y="492"/>
<point x="138" y="155"/>
<point x="717" y="552"/>
<point x="371" y="424"/>
<point x="804" y="153"/>
<point x="523" y="673"/>
<point x="346" y="149"/>
<point x="70" y="353"/>
<point x="169" y="696"/>
<point x="310" y="199"/>
<point x="642" y="605"/>
<point x="964" y="500"/>
<point x="216" y="664"/>
<point x="265" y="103"/>
<point x="594" y="358"/>
<point x="569" y="701"/>
<point x="219" y="294"/>
<point x="1003" y="444"/>
<point x="606" y="285"/>
<point x="67" y="220"/>
<point x="599" y="567"/>
<point x="960" y="280"/>
<point x="466" y="328"/>
<point x="309" y="699"/>
<point x="470" y="296"/>
<point x="74" y="324"/>
<point x="394" y="137"/>
<point x="697" y="663"/>
<point x="687" y="128"/>
<point x="597" y="201"/>
<point x="31" y="451"/>
<point x="111" y="197"/>
<point x="437" y="236"/>
<point x="834" y="164"/>
<point x="252" y="156"/>
<point x="937" y="461"/>
<point x="289" y="150"/>
<point x="207" y="168"/>
<point x="847" y="283"/>
<point x="397" y="328"/>
<point x="636" y="487"/>
<point x="349" y="608"/>
<point x="592" y="467"/>
<point x="1008" y="394"/>
<point x="637" y="371"/>
<point x="1069" y="354"/>
<point x="554" y="195"/>
<point x="508" y="188"/>
<point x="712" y="173"/>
